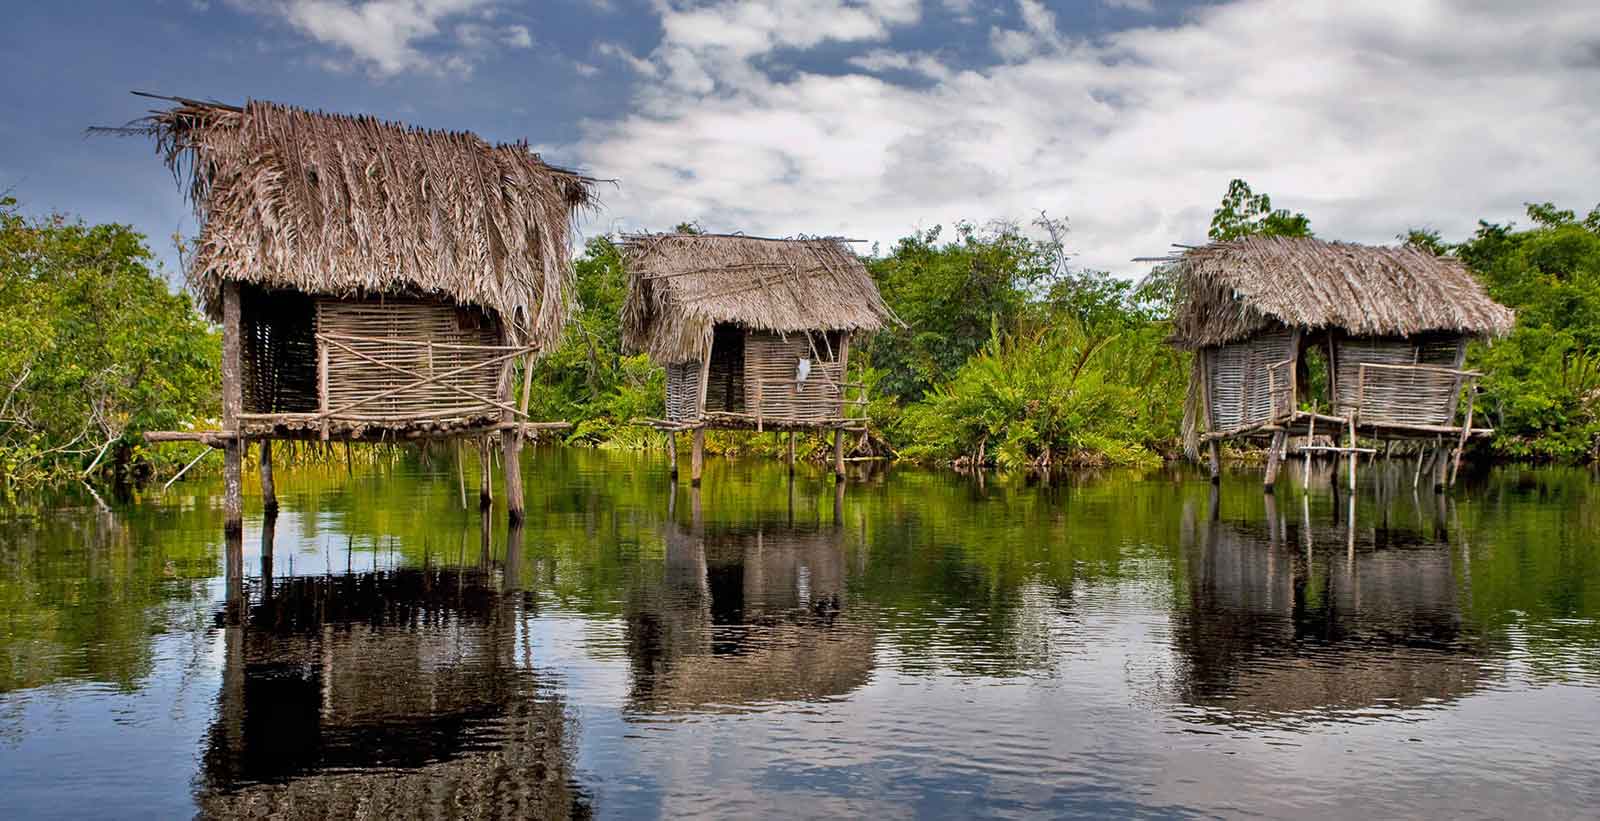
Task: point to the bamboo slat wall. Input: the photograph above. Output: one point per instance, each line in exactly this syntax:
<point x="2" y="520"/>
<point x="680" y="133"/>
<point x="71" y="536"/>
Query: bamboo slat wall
<point x="1400" y="396"/>
<point x="1249" y="381"/>
<point x="757" y="370"/>
<point x="770" y="363"/>
<point x="419" y="339"/>
<point x="683" y="386"/>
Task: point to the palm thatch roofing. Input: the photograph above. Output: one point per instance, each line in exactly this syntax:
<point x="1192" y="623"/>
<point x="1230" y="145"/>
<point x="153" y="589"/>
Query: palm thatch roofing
<point x="680" y="286"/>
<point x="1227" y="291"/>
<point x="352" y="206"/>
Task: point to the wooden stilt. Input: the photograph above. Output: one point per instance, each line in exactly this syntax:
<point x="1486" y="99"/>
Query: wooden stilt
<point x="789" y="457"/>
<point x="697" y="457"/>
<point x="672" y="454"/>
<point x="838" y="454"/>
<point x="1441" y="467"/>
<point x="1353" y="455"/>
<point x="485" y="474"/>
<point x="1275" y="458"/>
<point x="512" y="441"/>
<point x="232" y="406"/>
<point x="1215" y="451"/>
<point x="269" y="490"/>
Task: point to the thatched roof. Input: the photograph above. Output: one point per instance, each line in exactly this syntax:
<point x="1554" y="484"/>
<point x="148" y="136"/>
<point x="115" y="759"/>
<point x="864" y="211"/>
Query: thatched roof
<point x="1230" y="290"/>
<point x="353" y="206"/>
<point x="682" y="285"/>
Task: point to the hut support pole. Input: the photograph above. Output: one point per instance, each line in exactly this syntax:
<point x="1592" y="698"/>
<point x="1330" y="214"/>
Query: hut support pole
<point x="1441" y="466"/>
<point x="838" y="454"/>
<point x="789" y="456"/>
<point x="511" y="439"/>
<point x="269" y="491"/>
<point x="1275" y="458"/>
<point x="485" y="474"/>
<point x="672" y="454"/>
<point x="232" y="406"/>
<point x="697" y="457"/>
<point x="1353" y="455"/>
<point x="1214" y="448"/>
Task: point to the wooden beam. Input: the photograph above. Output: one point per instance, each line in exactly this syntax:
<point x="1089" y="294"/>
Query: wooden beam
<point x="697" y="457"/>
<point x="232" y="405"/>
<point x="1275" y="458"/>
<point x="838" y="454"/>
<point x="511" y="439"/>
<point x="269" y="489"/>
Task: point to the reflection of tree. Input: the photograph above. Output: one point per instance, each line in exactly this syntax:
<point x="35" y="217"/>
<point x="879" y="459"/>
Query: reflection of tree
<point x="387" y="693"/>
<point x="85" y="596"/>
<point x="1289" y="617"/>
<point x="743" y="616"/>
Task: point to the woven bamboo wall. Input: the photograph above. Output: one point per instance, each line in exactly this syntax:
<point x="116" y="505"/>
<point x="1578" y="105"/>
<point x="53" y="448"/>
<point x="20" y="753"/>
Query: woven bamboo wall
<point x="770" y="361"/>
<point x="1244" y="387"/>
<point x="398" y="333"/>
<point x="278" y="348"/>
<point x="1389" y="396"/>
<point x="683" y="386"/>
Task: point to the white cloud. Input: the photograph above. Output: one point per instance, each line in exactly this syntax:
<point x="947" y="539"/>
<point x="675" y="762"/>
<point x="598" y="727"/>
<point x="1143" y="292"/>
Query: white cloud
<point x="389" y="37"/>
<point x="1369" y="116"/>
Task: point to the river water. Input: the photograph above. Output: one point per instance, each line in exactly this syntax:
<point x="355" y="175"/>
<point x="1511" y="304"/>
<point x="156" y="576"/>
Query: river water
<point x="919" y="645"/>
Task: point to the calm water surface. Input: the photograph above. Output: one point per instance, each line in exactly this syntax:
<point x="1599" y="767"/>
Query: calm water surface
<point x="919" y="645"/>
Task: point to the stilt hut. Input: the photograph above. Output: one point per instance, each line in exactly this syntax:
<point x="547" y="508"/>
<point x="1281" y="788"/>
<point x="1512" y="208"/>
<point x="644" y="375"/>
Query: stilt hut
<point x="1392" y="325"/>
<point x="754" y="332"/>
<point x="374" y="281"/>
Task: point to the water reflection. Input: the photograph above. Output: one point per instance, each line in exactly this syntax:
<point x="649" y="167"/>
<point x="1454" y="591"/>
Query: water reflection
<point x="745" y="616"/>
<point x="393" y="692"/>
<point x="1323" y="617"/>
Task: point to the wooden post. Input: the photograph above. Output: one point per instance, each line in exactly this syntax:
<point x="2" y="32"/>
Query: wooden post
<point x="1275" y="458"/>
<point x="1353" y="454"/>
<point x="232" y="406"/>
<point x="1311" y="435"/>
<point x="1466" y="431"/>
<point x="789" y="457"/>
<point x="269" y="491"/>
<point x="672" y="454"/>
<point x="1441" y="467"/>
<point x="511" y="438"/>
<point x="322" y="384"/>
<point x="838" y="454"/>
<point x="1215" y="450"/>
<point x="697" y="457"/>
<point x="485" y="474"/>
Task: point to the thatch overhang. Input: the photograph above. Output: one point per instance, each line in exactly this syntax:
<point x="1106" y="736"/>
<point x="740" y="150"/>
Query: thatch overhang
<point x="681" y="286"/>
<point x="351" y="206"/>
<point x="1228" y="291"/>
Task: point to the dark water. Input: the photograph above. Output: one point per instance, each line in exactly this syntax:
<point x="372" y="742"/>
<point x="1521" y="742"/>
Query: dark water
<point x="918" y="645"/>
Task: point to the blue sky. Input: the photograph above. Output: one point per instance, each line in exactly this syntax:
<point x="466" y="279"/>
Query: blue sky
<point x="867" y="117"/>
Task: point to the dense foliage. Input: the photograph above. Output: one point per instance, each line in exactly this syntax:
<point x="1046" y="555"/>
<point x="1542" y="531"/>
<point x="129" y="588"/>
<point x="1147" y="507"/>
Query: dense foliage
<point x="94" y="347"/>
<point x="1542" y="389"/>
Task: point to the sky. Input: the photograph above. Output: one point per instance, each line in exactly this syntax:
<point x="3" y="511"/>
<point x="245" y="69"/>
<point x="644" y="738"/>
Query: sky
<point x="866" y="118"/>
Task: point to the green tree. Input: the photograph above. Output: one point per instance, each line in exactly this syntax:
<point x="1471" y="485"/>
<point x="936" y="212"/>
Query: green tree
<point x="1244" y="213"/>
<point x="94" y="347"/>
<point x="951" y="294"/>
<point x="1542" y="389"/>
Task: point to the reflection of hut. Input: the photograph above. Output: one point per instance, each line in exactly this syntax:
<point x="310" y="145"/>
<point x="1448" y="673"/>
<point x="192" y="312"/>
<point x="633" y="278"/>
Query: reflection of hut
<point x="1272" y="627"/>
<point x="1393" y="324"/>
<point x="743" y="617"/>
<point x="384" y="694"/>
<point x="754" y="333"/>
<point x="373" y="280"/>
